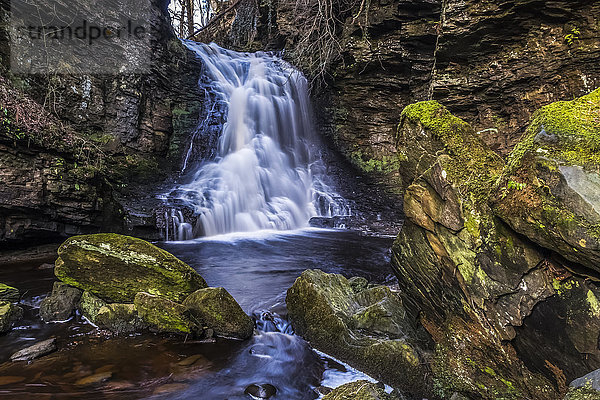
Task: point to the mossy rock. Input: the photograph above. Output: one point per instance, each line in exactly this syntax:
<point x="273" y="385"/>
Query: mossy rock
<point x="115" y="268"/>
<point x="164" y="315"/>
<point x="359" y="390"/>
<point x="9" y="293"/>
<point x="216" y="309"/>
<point x="550" y="189"/>
<point x="9" y="314"/>
<point x="582" y="394"/>
<point x="364" y="327"/>
<point x="89" y="306"/>
<point x="120" y="318"/>
<point x="61" y="303"/>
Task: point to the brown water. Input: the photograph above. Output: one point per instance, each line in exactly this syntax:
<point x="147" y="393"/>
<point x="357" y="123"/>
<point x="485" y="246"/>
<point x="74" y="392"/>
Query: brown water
<point x="257" y="271"/>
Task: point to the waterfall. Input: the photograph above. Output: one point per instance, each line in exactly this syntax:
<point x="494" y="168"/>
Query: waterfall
<point x="267" y="172"/>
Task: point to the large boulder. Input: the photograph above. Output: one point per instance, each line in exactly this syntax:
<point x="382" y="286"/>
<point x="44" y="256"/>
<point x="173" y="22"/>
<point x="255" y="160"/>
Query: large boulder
<point x="488" y="296"/>
<point x="115" y="268"/>
<point x="164" y="315"/>
<point x="9" y="293"/>
<point x="366" y="327"/>
<point x="61" y="303"/>
<point x="9" y="314"/>
<point x="550" y="190"/>
<point x="359" y="390"/>
<point x="215" y="308"/>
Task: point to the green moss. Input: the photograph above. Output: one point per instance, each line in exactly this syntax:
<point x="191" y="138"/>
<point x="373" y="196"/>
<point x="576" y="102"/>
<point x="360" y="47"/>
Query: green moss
<point x="163" y="315"/>
<point x="9" y="293"/>
<point x="470" y="163"/>
<point x="116" y="267"/>
<point x="385" y="165"/>
<point x="567" y="131"/>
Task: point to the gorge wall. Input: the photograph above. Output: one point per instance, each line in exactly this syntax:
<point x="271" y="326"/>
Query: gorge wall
<point x="80" y="153"/>
<point x="492" y="63"/>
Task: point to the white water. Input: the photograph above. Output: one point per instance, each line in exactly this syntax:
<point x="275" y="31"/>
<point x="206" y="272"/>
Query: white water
<point x="267" y="173"/>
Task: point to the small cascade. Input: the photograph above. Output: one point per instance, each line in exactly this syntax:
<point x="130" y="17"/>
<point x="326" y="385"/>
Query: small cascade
<point x="266" y="173"/>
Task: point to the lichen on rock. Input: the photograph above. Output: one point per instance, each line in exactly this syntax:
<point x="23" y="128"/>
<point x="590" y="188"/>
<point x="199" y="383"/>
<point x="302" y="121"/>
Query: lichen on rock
<point x="115" y="268"/>
<point x="120" y="318"/>
<point x="9" y="314"/>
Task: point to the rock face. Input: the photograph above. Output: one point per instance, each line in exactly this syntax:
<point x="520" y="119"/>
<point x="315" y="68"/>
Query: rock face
<point x="9" y="314"/>
<point x="60" y="304"/>
<point x="511" y="316"/>
<point x="359" y="390"/>
<point x="217" y="309"/>
<point x="366" y="327"/>
<point x="116" y="267"/>
<point x="81" y="166"/>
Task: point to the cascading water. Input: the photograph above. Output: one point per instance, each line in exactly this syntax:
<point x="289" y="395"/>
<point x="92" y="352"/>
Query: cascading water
<point x="266" y="173"/>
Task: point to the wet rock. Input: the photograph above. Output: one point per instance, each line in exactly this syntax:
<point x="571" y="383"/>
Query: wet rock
<point x="115" y="268"/>
<point x="550" y="191"/>
<point x="120" y="318"/>
<point x="261" y="390"/>
<point x="37" y="350"/>
<point x="90" y="305"/>
<point x="363" y="390"/>
<point x="61" y="303"/>
<point x="323" y="390"/>
<point x="499" y="306"/>
<point x="9" y="293"/>
<point x="164" y="315"/>
<point x="358" y="283"/>
<point x="591" y="380"/>
<point x="368" y="329"/>
<point x="170" y="388"/>
<point x="9" y="314"/>
<point x="215" y="308"/>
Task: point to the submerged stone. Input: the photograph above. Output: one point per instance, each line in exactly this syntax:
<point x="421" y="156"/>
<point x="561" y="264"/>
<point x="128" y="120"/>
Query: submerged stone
<point x="37" y="350"/>
<point x="9" y="314"/>
<point x="164" y="315"/>
<point x="215" y="308"/>
<point x="61" y="303"/>
<point x="261" y="390"/>
<point x="8" y="293"/>
<point x="115" y="268"/>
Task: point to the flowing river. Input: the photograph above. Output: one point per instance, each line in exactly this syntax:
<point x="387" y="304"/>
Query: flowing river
<point x="256" y="269"/>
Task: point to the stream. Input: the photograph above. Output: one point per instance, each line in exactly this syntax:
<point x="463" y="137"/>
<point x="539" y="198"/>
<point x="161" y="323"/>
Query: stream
<point x="256" y="269"/>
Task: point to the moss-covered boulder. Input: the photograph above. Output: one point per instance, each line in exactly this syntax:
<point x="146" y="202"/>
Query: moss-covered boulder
<point x="365" y="327"/>
<point x="478" y="287"/>
<point x="9" y="314"/>
<point x="115" y="268"/>
<point x="60" y="304"/>
<point x="359" y="390"/>
<point x="550" y="190"/>
<point x="120" y="318"/>
<point x="216" y="309"/>
<point x="9" y="293"/>
<point x="164" y="315"/>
